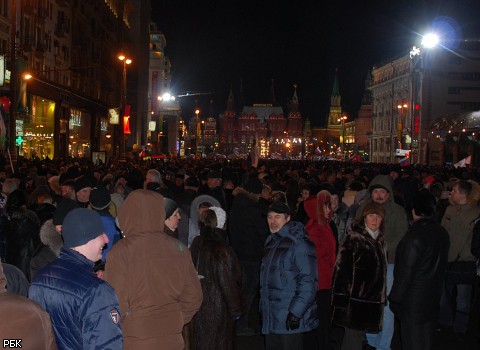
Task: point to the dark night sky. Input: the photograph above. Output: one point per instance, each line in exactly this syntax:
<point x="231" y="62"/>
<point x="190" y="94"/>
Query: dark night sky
<point x="214" y="44"/>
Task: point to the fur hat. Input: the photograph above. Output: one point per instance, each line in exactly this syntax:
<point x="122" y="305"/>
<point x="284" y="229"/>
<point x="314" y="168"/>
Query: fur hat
<point x="374" y="208"/>
<point x="221" y="216"/>
<point x="80" y="226"/>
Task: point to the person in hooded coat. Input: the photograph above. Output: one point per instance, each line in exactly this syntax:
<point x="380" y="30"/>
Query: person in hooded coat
<point x="25" y="320"/>
<point x="213" y="326"/>
<point x="319" y="209"/>
<point x="153" y="275"/>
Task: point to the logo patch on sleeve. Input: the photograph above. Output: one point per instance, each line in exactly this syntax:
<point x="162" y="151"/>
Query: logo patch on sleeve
<point x="114" y="315"/>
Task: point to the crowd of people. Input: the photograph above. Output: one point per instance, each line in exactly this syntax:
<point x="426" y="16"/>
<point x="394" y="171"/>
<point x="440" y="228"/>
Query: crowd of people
<point x="189" y="254"/>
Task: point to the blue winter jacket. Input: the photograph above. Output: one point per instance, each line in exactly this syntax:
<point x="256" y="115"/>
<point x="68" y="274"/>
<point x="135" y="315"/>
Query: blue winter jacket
<point x="288" y="280"/>
<point x="83" y="308"/>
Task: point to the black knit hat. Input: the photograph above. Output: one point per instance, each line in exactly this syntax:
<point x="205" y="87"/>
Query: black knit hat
<point x="100" y="198"/>
<point x="170" y="207"/>
<point x="65" y="206"/>
<point x="280" y="208"/>
<point x="80" y="226"/>
<point x="82" y="182"/>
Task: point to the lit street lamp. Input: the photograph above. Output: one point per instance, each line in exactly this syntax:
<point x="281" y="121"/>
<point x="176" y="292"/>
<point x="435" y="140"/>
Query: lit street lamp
<point x="401" y="122"/>
<point x="341" y="120"/>
<point x="198" y="131"/>
<point x="428" y="41"/>
<point x="123" y="102"/>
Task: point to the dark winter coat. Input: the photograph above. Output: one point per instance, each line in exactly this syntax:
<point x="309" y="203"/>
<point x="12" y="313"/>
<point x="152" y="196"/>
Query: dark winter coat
<point x="420" y="264"/>
<point x="23" y="319"/>
<point x="213" y="325"/>
<point x="84" y="309"/>
<point x="359" y="285"/>
<point x="22" y="228"/>
<point x="49" y="250"/>
<point x="288" y="280"/>
<point x="247" y="226"/>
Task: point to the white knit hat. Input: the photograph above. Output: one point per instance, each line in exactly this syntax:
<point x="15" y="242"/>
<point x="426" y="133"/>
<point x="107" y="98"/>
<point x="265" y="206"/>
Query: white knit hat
<point x="221" y="216"/>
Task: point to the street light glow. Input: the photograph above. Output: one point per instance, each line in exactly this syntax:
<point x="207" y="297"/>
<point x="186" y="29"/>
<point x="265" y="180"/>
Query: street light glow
<point x="430" y="40"/>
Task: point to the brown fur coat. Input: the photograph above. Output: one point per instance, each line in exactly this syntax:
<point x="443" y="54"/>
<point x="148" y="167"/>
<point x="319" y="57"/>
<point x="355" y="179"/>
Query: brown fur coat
<point x="359" y="286"/>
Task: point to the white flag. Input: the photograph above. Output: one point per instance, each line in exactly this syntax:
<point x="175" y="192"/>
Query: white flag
<point x="463" y="163"/>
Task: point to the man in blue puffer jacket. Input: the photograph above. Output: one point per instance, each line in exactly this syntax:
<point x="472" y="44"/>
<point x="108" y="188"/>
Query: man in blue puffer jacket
<point x="288" y="282"/>
<point x="83" y="308"/>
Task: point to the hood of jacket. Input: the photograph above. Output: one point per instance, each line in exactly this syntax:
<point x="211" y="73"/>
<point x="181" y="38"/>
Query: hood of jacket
<point x="196" y="203"/>
<point x="314" y="207"/>
<point x="142" y="211"/>
<point x="50" y="237"/>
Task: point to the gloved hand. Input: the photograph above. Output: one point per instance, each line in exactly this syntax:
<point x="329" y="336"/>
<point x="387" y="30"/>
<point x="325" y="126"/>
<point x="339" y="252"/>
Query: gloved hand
<point x="292" y="322"/>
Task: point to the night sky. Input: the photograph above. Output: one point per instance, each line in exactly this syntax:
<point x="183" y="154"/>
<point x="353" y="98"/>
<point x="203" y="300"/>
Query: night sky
<point x="214" y="44"/>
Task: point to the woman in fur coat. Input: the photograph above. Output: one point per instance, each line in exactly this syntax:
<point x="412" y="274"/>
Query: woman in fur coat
<point x="359" y="285"/>
<point x="220" y="275"/>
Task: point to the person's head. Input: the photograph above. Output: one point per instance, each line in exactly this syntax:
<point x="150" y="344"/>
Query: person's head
<point x="179" y="180"/>
<point x="65" y="206"/>
<point x="278" y="215"/>
<point x="192" y="183"/>
<point x="253" y="185"/>
<point x="100" y="198"/>
<point x="324" y="207"/>
<point x="214" y="179"/>
<point x="83" y="231"/>
<point x="461" y="190"/>
<point x="153" y="175"/>
<point x="172" y="214"/>
<point x="9" y="185"/>
<point x="305" y="191"/>
<point x="16" y="200"/>
<point x="67" y="189"/>
<point x="424" y="205"/>
<point x="279" y="196"/>
<point x="202" y="207"/>
<point x="379" y="194"/>
<point x="83" y="187"/>
<point x="266" y="192"/>
<point x="209" y="219"/>
<point x="373" y="215"/>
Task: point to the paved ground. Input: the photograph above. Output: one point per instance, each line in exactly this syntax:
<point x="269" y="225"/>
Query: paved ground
<point x="442" y="341"/>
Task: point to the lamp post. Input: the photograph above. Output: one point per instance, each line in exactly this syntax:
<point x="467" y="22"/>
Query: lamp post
<point x="401" y="122"/>
<point x="123" y="102"/>
<point x="342" y="135"/>
<point x="429" y="41"/>
<point x="198" y="131"/>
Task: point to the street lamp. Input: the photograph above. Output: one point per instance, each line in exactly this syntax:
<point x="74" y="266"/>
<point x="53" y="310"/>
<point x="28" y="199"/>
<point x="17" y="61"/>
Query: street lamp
<point x="401" y="122"/>
<point x="341" y="120"/>
<point x="126" y="61"/>
<point x="198" y="131"/>
<point x="429" y="41"/>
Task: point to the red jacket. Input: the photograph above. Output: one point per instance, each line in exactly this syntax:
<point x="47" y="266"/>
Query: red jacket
<point x="321" y="235"/>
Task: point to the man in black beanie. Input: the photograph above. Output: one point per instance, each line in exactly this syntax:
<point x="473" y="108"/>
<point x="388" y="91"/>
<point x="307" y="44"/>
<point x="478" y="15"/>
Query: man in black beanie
<point x="84" y="309"/>
<point x="83" y="187"/>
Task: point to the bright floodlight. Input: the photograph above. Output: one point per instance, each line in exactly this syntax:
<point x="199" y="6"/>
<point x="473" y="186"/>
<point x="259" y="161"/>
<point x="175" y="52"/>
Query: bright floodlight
<point x="430" y="40"/>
